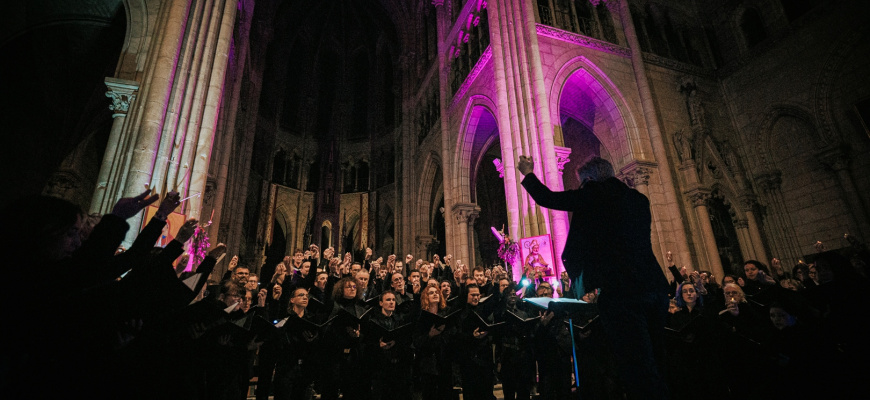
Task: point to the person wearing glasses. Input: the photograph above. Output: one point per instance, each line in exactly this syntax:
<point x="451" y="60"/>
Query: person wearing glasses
<point x="342" y="353"/>
<point x="296" y="350"/>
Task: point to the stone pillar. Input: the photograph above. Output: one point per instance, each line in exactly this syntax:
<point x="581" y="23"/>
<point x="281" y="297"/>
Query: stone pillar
<point x="671" y="207"/>
<point x="122" y="92"/>
<point x="524" y="119"/>
<point x="779" y="230"/>
<point x="154" y="104"/>
<point x="741" y="226"/>
<point x="450" y="175"/>
<point x="759" y="253"/>
<point x="423" y="242"/>
<point x="699" y="200"/>
<point x="214" y="95"/>
<point x="465" y="214"/>
<point x="837" y="160"/>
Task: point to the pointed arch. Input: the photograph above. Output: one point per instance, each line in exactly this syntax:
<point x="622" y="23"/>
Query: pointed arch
<point x="427" y="192"/>
<point x="580" y="84"/>
<point x="478" y="125"/>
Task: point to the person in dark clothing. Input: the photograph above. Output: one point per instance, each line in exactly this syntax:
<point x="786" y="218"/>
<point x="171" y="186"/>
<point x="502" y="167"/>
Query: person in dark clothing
<point x="475" y="347"/>
<point x="609" y="247"/>
<point x="296" y="349"/>
<point x="389" y="359"/>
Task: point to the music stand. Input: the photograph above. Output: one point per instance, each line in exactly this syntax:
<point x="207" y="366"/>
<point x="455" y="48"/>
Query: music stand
<point x="566" y="308"/>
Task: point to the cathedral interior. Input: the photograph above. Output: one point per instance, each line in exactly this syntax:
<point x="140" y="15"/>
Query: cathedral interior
<point x="397" y="125"/>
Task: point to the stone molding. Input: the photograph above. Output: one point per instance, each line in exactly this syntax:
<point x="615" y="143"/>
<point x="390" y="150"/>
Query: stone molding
<point x="676" y="65"/>
<point x="472" y="76"/>
<point x="581" y="40"/>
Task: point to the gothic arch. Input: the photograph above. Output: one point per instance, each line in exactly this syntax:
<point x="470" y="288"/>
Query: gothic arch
<point x="612" y="121"/>
<point x="479" y="114"/>
<point x="140" y="26"/>
<point x="431" y="166"/>
<point x="286" y="225"/>
<point x="761" y="142"/>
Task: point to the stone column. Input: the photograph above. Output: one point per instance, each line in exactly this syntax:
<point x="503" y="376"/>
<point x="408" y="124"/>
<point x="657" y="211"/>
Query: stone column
<point x="213" y="97"/>
<point x="465" y="214"/>
<point x="447" y="148"/>
<point x="759" y="253"/>
<point x="122" y="92"/>
<point x="837" y="160"/>
<point x="422" y="242"/>
<point x="741" y="226"/>
<point x="699" y="198"/>
<point x="524" y="118"/>
<point x="779" y="229"/>
<point x="671" y="207"/>
<point x="154" y="104"/>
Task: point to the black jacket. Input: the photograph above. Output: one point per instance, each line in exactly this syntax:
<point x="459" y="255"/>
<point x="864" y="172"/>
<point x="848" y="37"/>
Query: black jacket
<point x="609" y="241"/>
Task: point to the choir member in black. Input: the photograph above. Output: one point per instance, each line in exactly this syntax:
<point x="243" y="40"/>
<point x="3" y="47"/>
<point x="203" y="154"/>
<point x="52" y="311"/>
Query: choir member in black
<point x="224" y="353"/>
<point x="693" y="366"/>
<point x="513" y="350"/>
<point x="475" y="350"/>
<point x="294" y="372"/>
<point x="304" y="277"/>
<point x="552" y="348"/>
<point x="389" y="360"/>
<point x="431" y="343"/>
<point x="345" y="370"/>
<point x="397" y="283"/>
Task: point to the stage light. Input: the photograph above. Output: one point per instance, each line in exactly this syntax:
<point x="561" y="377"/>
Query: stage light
<point x="526" y="282"/>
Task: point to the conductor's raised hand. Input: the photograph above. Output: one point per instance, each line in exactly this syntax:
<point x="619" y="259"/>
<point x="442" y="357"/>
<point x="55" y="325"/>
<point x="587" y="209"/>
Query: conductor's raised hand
<point x="526" y="165"/>
<point x="130" y="206"/>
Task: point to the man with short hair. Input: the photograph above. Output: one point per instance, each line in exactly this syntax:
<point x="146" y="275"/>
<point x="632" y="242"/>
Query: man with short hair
<point x="609" y="247"/>
<point x="355" y="268"/>
<point x="240" y="275"/>
<point x="476" y="363"/>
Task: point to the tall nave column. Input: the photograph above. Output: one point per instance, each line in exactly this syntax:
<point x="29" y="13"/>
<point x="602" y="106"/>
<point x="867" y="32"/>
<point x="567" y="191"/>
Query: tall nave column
<point x="524" y="121"/>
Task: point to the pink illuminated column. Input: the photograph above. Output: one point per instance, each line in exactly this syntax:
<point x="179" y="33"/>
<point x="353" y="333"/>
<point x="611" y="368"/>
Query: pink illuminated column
<point x="524" y="119"/>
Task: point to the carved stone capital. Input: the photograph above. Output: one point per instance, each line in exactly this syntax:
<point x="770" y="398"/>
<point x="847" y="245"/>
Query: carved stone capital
<point x="699" y="197"/>
<point x="466" y="212"/>
<point x="122" y="92"/>
<point x="424" y="240"/>
<point x="835" y="158"/>
<point x="637" y="173"/>
<point x="740" y="224"/>
<point x="562" y="154"/>
<point x="769" y="181"/>
<point x="748" y="203"/>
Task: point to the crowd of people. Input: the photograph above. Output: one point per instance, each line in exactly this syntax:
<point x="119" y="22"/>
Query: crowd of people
<point x="90" y="320"/>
